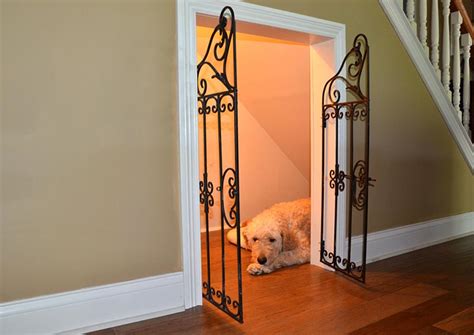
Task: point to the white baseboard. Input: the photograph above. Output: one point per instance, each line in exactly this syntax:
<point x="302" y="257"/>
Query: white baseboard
<point x="392" y="242"/>
<point x="94" y="308"/>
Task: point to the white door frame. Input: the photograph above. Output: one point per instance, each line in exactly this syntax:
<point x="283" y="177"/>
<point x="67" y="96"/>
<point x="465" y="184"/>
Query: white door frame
<point x="188" y="121"/>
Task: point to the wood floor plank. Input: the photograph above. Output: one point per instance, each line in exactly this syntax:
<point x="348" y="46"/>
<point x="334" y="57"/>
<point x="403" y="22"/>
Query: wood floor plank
<point x="344" y="320"/>
<point x="460" y="323"/>
<point x="407" y="294"/>
<point x="430" y="330"/>
<point x="416" y="318"/>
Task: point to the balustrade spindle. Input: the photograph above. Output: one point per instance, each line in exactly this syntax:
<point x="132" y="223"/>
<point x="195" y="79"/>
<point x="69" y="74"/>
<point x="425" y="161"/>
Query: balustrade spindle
<point x="446" y="55"/>
<point x="466" y="42"/>
<point x="446" y="49"/>
<point x="435" y="37"/>
<point x="456" y="21"/>
<point x="422" y="22"/>
<point x="411" y="14"/>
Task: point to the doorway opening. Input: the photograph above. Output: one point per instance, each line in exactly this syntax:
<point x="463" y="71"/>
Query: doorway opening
<point x="272" y="154"/>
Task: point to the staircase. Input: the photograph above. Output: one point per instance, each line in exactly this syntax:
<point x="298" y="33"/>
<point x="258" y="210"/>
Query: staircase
<point x="438" y="36"/>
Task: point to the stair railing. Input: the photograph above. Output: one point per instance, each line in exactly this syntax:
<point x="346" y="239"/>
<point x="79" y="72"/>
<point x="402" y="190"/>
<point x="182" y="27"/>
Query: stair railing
<point x="455" y="54"/>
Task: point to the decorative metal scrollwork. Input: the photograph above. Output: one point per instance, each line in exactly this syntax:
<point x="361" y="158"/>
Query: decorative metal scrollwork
<point x="221" y="102"/>
<point x="225" y="102"/>
<point x="336" y="180"/>
<point x="332" y="112"/>
<point x="221" y="300"/>
<point x="205" y="194"/>
<point x="341" y="264"/>
<point x="355" y="61"/>
<point x="217" y="94"/>
<point x="360" y="185"/>
<point x="346" y="109"/>
<point x="228" y="178"/>
<point x="356" y="111"/>
<point x="215" y="60"/>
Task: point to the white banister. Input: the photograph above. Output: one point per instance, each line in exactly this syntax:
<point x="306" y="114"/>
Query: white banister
<point x="410" y="7"/>
<point x="466" y="42"/>
<point x="456" y="21"/>
<point x="440" y="61"/>
<point x="422" y="24"/>
<point x="446" y="50"/>
<point x="447" y="55"/>
<point x="435" y="37"/>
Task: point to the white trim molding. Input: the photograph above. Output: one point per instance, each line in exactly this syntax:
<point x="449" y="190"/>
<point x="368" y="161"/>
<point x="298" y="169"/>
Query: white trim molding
<point x="392" y="242"/>
<point x="187" y="113"/>
<point x="427" y="72"/>
<point x="94" y="308"/>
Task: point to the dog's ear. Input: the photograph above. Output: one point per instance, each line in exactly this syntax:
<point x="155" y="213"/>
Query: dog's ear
<point x="288" y="240"/>
<point x="244" y="235"/>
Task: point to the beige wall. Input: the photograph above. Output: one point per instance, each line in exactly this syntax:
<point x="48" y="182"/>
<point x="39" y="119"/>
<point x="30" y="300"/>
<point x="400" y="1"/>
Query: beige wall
<point x="89" y="137"/>
<point x="89" y="144"/>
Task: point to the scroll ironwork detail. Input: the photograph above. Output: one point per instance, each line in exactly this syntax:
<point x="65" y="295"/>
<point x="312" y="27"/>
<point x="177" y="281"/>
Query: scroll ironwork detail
<point x="352" y="78"/>
<point x="214" y="65"/>
<point x="216" y="95"/>
<point x="221" y="300"/>
<point x="229" y="182"/>
<point x="355" y="61"/>
<point x="336" y="180"/>
<point x="342" y="264"/>
<point x="205" y="196"/>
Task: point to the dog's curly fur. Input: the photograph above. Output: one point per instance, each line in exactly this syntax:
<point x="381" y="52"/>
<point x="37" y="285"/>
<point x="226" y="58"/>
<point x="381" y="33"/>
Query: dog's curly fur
<point x="279" y="236"/>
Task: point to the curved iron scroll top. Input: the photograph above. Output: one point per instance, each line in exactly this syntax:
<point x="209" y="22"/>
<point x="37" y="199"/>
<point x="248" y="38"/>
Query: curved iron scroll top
<point x="354" y="63"/>
<point x="213" y="67"/>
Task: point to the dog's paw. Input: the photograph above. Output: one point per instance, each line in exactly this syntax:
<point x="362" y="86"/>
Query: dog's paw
<point x="257" y="269"/>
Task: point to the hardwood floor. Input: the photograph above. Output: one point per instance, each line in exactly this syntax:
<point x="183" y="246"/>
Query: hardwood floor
<point x="429" y="291"/>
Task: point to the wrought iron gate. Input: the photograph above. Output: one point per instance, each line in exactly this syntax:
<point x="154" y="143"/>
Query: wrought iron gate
<point x="354" y="183"/>
<point x="218" y="111"/>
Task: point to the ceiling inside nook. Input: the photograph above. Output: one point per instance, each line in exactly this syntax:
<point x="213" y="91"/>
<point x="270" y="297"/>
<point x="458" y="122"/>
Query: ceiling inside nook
<point x="263" y="31"/>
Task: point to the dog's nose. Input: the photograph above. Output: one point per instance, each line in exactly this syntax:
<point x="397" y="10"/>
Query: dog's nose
<point x="262" y="260"/>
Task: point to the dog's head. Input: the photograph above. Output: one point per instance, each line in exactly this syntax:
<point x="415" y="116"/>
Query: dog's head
<point x="267" y="241"/>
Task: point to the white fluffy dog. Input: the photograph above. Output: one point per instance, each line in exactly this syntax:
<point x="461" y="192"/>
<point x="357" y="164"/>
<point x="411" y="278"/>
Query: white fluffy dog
<point x="278" y="237"/>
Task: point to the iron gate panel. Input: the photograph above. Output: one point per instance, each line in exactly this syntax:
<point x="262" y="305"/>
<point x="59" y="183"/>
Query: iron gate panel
<point x="352" y="184"/>
<point x="217" y="97"/>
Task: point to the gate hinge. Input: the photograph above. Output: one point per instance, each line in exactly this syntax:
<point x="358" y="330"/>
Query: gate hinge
<point x="372" y="179"/>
